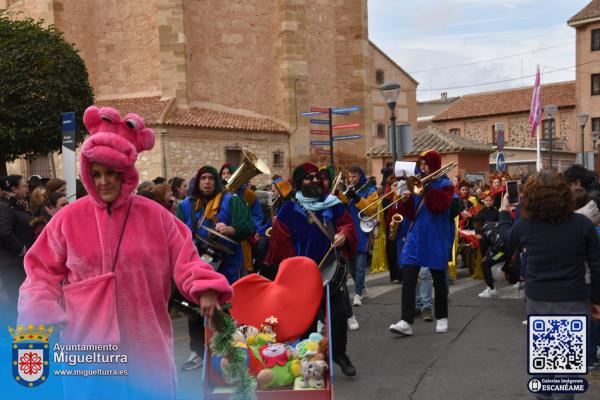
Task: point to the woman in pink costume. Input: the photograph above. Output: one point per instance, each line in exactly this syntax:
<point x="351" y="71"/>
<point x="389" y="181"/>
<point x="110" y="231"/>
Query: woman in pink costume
<point x="101" y="269"/>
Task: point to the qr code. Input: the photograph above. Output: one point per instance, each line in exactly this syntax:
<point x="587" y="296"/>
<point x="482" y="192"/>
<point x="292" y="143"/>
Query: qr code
<point x="557" y="344"/>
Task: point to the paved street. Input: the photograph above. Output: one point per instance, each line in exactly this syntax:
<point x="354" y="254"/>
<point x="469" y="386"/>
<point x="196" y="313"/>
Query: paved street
<point x="483" y="356"/>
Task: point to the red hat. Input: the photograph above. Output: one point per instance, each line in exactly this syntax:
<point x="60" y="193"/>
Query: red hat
<point x="432" y="159"/>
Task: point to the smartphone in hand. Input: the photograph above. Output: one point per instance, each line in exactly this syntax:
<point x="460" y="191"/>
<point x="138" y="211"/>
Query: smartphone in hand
<point x="512" y="188"/>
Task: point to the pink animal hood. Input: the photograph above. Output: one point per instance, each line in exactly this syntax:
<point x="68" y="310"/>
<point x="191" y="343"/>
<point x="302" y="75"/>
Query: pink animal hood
<point x="114" y="142"/>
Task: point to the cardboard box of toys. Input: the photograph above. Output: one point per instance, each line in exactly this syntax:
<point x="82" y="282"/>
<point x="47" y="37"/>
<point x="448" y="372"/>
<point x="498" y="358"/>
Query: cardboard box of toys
<point x="262" y="349"/>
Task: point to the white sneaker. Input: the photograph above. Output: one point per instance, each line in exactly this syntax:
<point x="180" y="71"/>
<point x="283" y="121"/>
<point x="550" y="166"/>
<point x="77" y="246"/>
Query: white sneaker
<point x="487" y="293"/>
<point x="401" y="328"/>
<point x="353" y="323"/>
<point x="441" y="325"/>
<point x="357" y="301"/>
<point x="193" y="362"/>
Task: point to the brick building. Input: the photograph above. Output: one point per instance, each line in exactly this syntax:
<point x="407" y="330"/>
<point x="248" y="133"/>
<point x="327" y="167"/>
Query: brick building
<point x="475" y="117"/>
<point x="471" y="156"/>
<point x="210" y="76"/>
<point x="587" y="26"/>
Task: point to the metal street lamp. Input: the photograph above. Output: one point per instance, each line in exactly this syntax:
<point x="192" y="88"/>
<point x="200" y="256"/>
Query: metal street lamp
<point x="390" y="92"/>
<point x="551" y="111"/>
<point x="582" y="120"/>
<point x="595" y="137"/>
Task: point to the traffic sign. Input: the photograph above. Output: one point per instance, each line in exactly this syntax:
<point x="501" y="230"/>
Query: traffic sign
<point x="346" y="126"/>
<point x="347" y="137"/>
<point x="322" y="151"/>
<point x="500" y="162"/>
<point x="319" y="132"/>
<point x="319" y="142"/>
<point x="345" y="110"/>
<point x="310" y="113"/>
<point x="319" y="109"/>
<point x="320" y="121"/>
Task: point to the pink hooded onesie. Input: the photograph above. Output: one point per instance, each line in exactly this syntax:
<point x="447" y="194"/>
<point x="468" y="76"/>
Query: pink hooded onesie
<point x="77" y="280"/>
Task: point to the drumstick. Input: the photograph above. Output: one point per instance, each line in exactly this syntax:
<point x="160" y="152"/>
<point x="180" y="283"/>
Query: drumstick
<point x="325" y="257"/>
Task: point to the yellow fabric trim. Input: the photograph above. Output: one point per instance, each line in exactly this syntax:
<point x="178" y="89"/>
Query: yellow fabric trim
<point x="249" y="196"/>
<point x="368" y="202"/>
<point x="380" y="261"/>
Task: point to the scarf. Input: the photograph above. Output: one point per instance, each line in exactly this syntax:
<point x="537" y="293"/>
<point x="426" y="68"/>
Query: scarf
<point x="314" y="204"/>
<point x="212" y="207"/>
<point x="16" y="202"/>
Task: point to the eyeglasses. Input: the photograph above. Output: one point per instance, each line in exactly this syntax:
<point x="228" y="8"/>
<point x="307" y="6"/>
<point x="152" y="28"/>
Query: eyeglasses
<point x="312" y="177"/>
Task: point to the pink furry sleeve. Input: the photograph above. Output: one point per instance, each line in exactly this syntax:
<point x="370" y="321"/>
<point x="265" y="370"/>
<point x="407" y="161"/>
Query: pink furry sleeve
<point x="192" y="275"/>
<point x="40" y="294"/>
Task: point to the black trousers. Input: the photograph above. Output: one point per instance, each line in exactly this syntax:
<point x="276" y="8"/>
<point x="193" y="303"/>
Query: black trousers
<point x="341" y="310"/>
<point x="196" y="332"/>
<point x="409" y="285"/>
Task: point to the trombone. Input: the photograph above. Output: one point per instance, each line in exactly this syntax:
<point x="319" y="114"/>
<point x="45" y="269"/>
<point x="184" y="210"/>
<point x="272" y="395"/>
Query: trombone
<point x="415" y="186"/>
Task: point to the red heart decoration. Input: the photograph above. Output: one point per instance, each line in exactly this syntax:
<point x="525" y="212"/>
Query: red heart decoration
<point x="293" y="298"/>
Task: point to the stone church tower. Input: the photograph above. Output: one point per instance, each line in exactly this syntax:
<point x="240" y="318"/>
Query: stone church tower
<point x="248" y="67"/>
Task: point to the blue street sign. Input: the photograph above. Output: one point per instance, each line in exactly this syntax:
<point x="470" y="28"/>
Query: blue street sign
<point x="311" y="113"/>
<point x="319" y="142"/>
<point x="67" y="121"/>
<point x="320" y="121"/>
<point x="347" y="137"/>
<point x="500" y="162"/>
<point x="345" y="110"/>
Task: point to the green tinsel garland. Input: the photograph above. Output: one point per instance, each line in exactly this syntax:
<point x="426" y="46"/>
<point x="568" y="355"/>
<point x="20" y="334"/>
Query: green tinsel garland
<point x="236" y="370"/>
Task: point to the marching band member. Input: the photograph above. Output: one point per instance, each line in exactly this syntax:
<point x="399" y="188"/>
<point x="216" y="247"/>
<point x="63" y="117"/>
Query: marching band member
<point x="360" y="195"/>
<point x="295" y="233"/>
<point x="227" y="214"/>
<point x="282" y="192"/>
<point x="427" y="243"/>
<point x="249" y="196"/>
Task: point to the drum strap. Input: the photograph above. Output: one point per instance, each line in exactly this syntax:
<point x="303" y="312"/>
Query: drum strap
<point x="327" y="232"/>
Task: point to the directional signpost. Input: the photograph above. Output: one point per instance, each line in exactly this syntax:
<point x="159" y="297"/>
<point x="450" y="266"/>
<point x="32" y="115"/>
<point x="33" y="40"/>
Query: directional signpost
<point x="315" y="111"/>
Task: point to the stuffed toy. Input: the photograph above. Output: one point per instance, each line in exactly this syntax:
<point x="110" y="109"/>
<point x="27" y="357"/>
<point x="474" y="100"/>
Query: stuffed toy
<point x="281" y="366"/>
<point x="309" y="347"/>
<point x="313" y="374"/>
<point x="245" y="334"/>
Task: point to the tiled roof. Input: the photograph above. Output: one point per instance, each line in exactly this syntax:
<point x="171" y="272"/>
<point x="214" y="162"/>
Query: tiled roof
<point x="507" y="101"/>
<point x="440" y="140"/>
<point x="211" y="119"/>
<point x="149" y="108"/>
<point x="592" y="10"/>
<point x="153" y="108"/>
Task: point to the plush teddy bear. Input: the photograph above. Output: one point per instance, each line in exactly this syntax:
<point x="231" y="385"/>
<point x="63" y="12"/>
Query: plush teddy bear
<point x="281" y="366"/>
<point x="313" y="374"/>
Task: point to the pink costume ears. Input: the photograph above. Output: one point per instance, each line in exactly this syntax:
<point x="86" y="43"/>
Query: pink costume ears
<point x="108" y="120"/>
<point x="132" y="128"/>
<point x="103" y="119"/>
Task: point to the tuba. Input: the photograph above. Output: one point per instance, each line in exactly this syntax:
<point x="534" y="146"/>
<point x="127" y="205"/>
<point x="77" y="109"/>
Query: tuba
<point x="250" y="167"/>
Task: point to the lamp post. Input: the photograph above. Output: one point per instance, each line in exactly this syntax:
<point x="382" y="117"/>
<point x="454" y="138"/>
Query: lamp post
<point x="595" y="137"/>
<point x="582" y="120"/>
<point x="390" y="92"/>
<point x="551" y="111"/>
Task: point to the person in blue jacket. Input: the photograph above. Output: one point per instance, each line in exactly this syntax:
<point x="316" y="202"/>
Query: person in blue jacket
<point x="229" y="215"/>
<point x="359" y="196"/>
<point x="427" y="243"/>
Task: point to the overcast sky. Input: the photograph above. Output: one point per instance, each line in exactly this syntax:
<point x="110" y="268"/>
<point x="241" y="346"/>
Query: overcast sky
<point x="430" y="34"/>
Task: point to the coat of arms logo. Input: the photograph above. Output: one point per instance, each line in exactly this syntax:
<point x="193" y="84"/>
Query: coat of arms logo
<point x="30" y="354"/>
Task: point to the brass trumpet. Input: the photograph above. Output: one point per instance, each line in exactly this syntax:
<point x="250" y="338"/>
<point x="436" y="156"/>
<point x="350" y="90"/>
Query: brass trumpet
<point x="394" y="225"/>
<point x="415" y="186"/>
